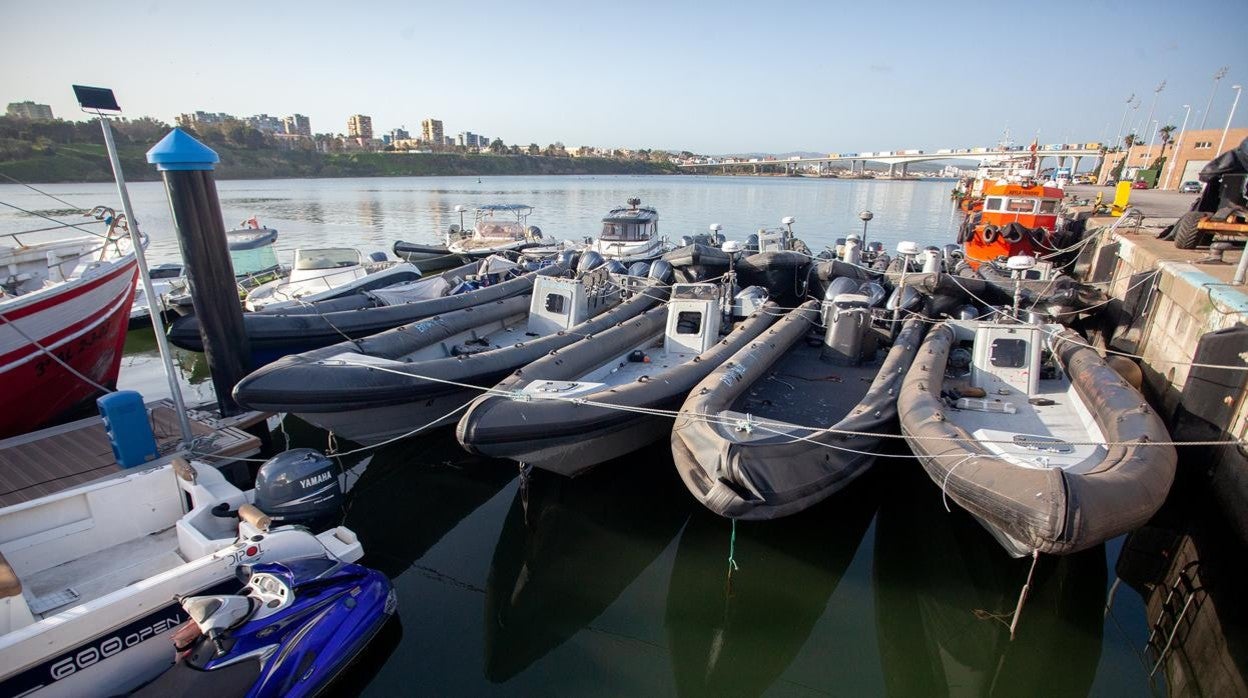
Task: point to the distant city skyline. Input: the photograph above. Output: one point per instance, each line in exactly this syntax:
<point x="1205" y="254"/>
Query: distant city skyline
<point x="732" y="78"/>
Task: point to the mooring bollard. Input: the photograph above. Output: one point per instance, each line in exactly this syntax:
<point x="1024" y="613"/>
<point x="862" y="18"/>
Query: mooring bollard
<point x="186" y="166"/>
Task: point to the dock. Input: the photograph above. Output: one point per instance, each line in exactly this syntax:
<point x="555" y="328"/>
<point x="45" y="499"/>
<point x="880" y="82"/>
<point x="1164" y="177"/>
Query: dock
<point x="1177" y="309"/>
<point x="57" y="458"/>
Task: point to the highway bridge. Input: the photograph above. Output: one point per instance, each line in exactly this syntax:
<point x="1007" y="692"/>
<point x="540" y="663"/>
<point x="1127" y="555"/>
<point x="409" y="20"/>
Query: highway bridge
<point x="1074" y="152"/>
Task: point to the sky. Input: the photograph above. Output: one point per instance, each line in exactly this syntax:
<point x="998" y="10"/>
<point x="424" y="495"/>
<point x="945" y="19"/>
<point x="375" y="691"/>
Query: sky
<point x="709" y="77"/>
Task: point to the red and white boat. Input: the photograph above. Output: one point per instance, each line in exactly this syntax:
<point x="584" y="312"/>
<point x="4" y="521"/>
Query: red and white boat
<point x="64" y="307"/>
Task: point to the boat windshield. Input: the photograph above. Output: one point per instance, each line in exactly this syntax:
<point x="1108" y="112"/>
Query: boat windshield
<point x="499" y="230"/>
<point x="326" y="258"/>
<point x="254" y="260"/>
<point x="612" y="230"/>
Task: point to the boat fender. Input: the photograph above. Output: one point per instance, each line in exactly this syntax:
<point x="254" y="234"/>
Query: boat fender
<point x="1013" y="233"/>
<point x="989" y="234"/>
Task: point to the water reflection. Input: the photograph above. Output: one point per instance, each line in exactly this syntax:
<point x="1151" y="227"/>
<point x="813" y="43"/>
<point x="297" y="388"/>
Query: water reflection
<point x="412" y="494"/>
<point x="1192" y="578"/>
<point x="944" y="593"/>
<point x="738" y="638"/>
<point x="567" y="550"/>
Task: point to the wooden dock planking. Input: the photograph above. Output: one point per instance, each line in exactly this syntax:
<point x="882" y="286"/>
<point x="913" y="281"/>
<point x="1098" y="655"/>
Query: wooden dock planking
<point x="58" y="458"/>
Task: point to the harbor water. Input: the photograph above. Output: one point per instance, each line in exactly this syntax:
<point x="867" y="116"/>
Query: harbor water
<point x="618" y="582"/>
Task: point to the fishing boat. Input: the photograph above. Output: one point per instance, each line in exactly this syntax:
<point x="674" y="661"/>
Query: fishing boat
<point x="588" y="402"/>
<point x="91" y="574"/>
<point x="393" y="383"/>
<point x="274" y="333"/>
<point x="497" y="228"/>
<point x="1018" y="219"/>
<point x="323" y="273"/>
<point x="328" y="610"/>
<point x="64" y="308"/>
<point x="1025" y="426"/>
<point x="786" y="422"/>
<point x="630" y="234"/>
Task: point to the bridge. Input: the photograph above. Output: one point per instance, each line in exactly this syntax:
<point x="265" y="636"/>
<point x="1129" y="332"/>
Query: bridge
<point x="894" y="158"/>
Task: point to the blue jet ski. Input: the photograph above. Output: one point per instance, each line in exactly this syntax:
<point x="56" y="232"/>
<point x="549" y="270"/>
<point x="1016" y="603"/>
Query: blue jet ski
<point x="290" y="631"/>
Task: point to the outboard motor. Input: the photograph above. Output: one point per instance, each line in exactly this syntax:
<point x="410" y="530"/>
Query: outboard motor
<point x="905" y="298"/>
<point x="615" y="266"/>
<point x="846" y="340"/>
<point x="968" y="312"/>
<point x="377" y="256"/>
<point x="748" y="300"/>
<point x="874" y="292"/>
<point x="567" y="258"/>
<point x="851" y="250"/>
<point x="639" y="269"/>
<point x="661" y="271"/>
<point x="838" y="286"/>
<point x="932" y="259"/>
<point x="953" y="255"/>
<point x="589" y="260"/>
<point x="300" y="486"/>
<point x="685" y="241"/>
<point x="751" y="243"/>
<point x="533" y="232"/>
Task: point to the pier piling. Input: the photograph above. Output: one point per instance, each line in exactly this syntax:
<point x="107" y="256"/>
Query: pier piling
<point x="186" y="166"/>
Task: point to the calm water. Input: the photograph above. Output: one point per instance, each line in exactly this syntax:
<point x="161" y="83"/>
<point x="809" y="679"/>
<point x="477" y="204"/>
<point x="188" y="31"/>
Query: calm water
<point x="617" y="583"/>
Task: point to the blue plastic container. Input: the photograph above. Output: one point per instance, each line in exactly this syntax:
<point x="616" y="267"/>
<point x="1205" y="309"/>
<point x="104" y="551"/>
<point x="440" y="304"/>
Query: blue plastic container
<point x="129" y="431"/>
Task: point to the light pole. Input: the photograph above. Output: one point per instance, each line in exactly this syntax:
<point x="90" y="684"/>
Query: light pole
<point x="1239" y="89"/>
<point x="1216" y="77"/>
<point x="1126" y="109"/>
<point x="865" y="216"/>
<point x="1174" y="154"/>
<point x="1151" y="108"/>
<point x="1148" y="154"/>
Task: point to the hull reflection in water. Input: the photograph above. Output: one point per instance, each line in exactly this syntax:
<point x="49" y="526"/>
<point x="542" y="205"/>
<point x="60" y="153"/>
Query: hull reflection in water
<point x="569" y="548"/>
<point x="938" y="575"/>
<point x="738" y="641"/>
<point x="412" y="494"/>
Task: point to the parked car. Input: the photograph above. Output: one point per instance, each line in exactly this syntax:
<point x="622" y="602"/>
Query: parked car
<point x="1139" y="184"/>
<point x="1189" y="188"/>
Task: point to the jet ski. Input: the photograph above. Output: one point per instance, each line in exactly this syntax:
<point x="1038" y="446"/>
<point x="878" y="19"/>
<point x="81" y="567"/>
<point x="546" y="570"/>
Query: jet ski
<point x="290" y="631"/>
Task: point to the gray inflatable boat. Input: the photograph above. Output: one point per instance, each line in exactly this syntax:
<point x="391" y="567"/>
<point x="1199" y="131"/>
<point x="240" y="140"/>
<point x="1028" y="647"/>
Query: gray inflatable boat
<point x="1028" y="429"/>
<point x="649" y="362"/>
<point x="756" y="438"/>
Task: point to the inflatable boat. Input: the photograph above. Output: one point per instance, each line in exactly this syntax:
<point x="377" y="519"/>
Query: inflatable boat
<point x="427" y="258"/>
<point x="761" y="436"/>
<point x="1027" y="428"/>
<point x="276" y="333"/>
<point x="374" y="389"/>
<point x="538" y="415"/>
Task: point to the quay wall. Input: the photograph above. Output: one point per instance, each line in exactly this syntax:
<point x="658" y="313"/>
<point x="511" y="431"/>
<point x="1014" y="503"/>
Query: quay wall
<point x="1173" y="311"/>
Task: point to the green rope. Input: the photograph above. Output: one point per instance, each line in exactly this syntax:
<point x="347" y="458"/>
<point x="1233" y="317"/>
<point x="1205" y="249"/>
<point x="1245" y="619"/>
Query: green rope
<point x="732" y="549"/>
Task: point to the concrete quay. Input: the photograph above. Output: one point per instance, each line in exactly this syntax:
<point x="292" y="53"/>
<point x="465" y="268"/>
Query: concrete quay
<point x="1178" y="312"/>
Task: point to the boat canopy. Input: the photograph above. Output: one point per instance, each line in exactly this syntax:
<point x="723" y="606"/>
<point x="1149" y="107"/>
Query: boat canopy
<point x="518" y="209"/>
<point x="326" y="258"/>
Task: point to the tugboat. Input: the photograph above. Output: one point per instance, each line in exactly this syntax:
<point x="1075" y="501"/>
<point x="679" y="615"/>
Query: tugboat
<point x="1018" y="219"/>
<point x="630" y="234"/>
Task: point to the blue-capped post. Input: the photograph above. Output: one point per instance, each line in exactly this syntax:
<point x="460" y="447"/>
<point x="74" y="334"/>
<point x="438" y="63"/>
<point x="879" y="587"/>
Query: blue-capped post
<point x="186" y="166"/>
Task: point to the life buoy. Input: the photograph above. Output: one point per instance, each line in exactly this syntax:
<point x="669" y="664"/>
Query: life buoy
<point x="989" y="234"/>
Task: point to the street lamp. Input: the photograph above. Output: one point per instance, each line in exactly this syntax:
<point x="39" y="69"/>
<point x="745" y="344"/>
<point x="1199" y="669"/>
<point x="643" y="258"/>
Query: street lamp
<point x="1174" y="154"/>
<point x="1239" y="89"/>
<point x="1125" y="110"/>
<point x="1216" y="77"/>
<point x="865" y="216"/>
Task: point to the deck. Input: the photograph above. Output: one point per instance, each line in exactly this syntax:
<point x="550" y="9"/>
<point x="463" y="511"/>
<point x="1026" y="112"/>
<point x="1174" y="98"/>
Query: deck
<point x="57" y="458"/>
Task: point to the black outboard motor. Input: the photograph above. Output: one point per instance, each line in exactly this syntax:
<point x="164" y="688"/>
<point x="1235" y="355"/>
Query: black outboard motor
<point x="589" y="260"/>
<point x="874" y="292"/>
<point x="838" y="286"/>
<point x="533" y="232"/>
<point x="751" y="243"/>
<point x="615" y="266"/>
<point x="567" y="259"/>
<point x="300" y="487"/>
<point x="639" y="269"/>
<point x="377" y="256"/>
<point x="661" y="271"/>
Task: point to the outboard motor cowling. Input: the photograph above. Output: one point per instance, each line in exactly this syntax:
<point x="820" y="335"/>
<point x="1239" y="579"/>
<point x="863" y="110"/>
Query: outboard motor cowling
<point x="567" y="259"/>
<point x="639" y="269"/>
<point x="615" y="266"/>
<point x="661" y="271"/>
<point x="845" y="341"/>
<point x="300" y="487"/>
<point x="932" y="260"/>
<point x="905" y="298"/>
<point x="377" y="256"/>
<point x="838" y="286"/>
<point x="748" y="300"/>
<point x="874" y="292"/>
<point x="589" y="260"/>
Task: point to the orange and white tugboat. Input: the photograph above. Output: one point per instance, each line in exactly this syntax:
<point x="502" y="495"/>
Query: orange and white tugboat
<point x="1018" y="218"/>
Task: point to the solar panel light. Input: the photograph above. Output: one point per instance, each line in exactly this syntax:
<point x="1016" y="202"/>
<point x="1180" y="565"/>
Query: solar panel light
<point x="96" y="98"/>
